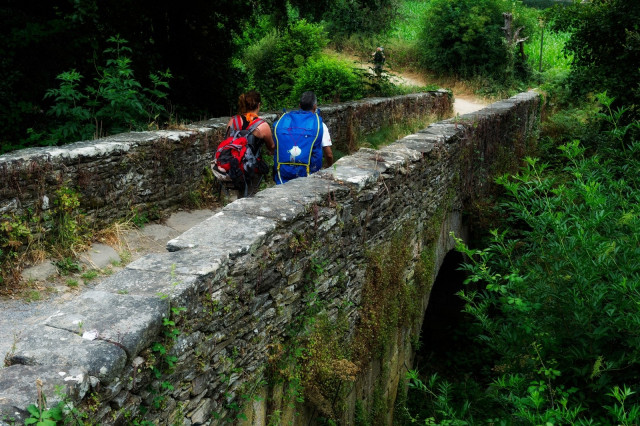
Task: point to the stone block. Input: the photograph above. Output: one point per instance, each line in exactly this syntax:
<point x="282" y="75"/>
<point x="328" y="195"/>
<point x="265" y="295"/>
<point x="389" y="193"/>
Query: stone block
<point x="40" y="272"/>
<point x="181" y="290"/>
<point x="203" y="262"/>
<point x="99" y="256"/>
<point x="18" y="387"/>
<point x="48" y="346"/>
<point x="230" y="232"/>
<point x="130" y="322"/>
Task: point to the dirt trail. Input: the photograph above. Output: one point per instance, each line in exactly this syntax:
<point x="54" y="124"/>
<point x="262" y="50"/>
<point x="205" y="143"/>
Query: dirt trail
<point x="464" y="102"/>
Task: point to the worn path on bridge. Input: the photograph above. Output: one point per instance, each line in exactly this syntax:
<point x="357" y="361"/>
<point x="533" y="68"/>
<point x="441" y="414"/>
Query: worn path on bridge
<point x="17" y="315"/>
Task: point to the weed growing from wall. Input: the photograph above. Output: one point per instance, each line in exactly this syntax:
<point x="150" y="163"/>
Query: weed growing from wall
<point x="29" y="236"/>
<point x="64" y="412"/>
<point x="15" y="237"/>
<point x="388" y="300"/>
<point x="66" y="220"/>
<point x="314" y="364"/>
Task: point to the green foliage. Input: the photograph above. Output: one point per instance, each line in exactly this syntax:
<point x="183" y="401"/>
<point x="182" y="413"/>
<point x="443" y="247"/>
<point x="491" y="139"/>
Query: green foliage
<point x="605" y="44"/>
<point x="332" y="80"/>
<point x="59" y="230"/>
<point x="437" y="396"/>
<point x="272" y="62"/>
<point x="15" y="234"/>
<point x="69" y="110"/>
<point x="551" y="68"/>
<point x="563" y="287"/>
<point x="464" y="37"/>
<point x="40" y="40"/>
<point x="90" y="275"/>
<point x="43" y="417"/>
<point x="65" y="225"/>
<point x="117" y="103"/>
<point x="554" y="58"/>
<point x="346" y="17"/>
<point x="67" y="265"/>
<point x="555" y="296"/>
<point x="62" y="413"/>
<point x="410" y="14"/>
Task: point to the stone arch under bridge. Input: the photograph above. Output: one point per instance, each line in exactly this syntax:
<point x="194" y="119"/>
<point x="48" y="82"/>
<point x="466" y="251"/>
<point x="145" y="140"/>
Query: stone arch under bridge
<point x="352" y="250"/>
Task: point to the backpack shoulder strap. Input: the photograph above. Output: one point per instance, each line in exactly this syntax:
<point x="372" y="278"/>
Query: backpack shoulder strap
<point x="237" y="123"/>
<point x="254" y="124"/>
<point x="235" y="128"/>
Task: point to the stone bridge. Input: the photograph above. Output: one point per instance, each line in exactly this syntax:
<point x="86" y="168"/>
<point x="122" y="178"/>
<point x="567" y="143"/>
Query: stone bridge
<point x="297" y="304"/>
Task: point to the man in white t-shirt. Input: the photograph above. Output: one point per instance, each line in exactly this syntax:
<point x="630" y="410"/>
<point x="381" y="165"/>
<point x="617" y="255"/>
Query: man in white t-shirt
<point x="309" y="102"/>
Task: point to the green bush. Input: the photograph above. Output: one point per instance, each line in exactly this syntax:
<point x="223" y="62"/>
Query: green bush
<point x="464" y="37"/>
<point x="70" y="110"/>
<point x="344" y="18"/>
<point x="556" y="294"/>
<point x="332" y="80"/>
<point x="560" y="293"/>
<point x="605" y="44"/>
<point x="117" y="102"/>
<point x="410" y="15"/>
<point x="368" y="17"/>
<point x="273" y="60"/>
<point x="259" y="61"/>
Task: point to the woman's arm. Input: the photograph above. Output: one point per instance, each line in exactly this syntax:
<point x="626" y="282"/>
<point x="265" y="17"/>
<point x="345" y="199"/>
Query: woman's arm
<point x="264" y="132"/>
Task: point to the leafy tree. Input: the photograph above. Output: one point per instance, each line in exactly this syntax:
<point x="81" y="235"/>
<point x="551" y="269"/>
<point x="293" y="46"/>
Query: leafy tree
<point x="345" y="17"/>
<point x="464" y="37"/>
<point x="605" y="43"/>
<point x="117" y="103"/>
<point x="365" y="17"/>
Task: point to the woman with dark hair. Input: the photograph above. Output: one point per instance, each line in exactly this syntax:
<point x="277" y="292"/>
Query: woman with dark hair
<point x="237" y="159"/>
<point x="248" y="109"/>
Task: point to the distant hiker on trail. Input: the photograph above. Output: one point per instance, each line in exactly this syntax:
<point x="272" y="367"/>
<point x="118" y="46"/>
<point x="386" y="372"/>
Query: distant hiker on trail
<point x="378" y="60"/>
<point x="237" y="158"/>
<point x="302" y="140"/>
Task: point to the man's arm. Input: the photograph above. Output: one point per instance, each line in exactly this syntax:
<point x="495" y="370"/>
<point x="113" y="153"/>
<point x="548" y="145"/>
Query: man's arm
<point x="327" y="154"/>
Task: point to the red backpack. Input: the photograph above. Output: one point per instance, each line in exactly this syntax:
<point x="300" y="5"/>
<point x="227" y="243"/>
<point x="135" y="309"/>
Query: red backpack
<point x="235" y="156"/>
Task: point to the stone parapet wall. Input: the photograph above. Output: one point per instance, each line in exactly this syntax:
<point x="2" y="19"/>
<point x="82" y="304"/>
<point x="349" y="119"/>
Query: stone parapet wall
<point x="234" y="286"/>
<point x="158" y="171"/>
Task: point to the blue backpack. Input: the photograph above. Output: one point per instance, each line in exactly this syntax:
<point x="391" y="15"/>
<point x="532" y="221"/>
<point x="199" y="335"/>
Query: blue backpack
<point x="298" y="138"/>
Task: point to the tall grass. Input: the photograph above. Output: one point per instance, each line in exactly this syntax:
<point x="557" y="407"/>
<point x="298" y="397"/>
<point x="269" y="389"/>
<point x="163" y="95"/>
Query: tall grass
<point x="399" y="43"/>
<point x="553" y="56"/>
<point x="409" y="21"/>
